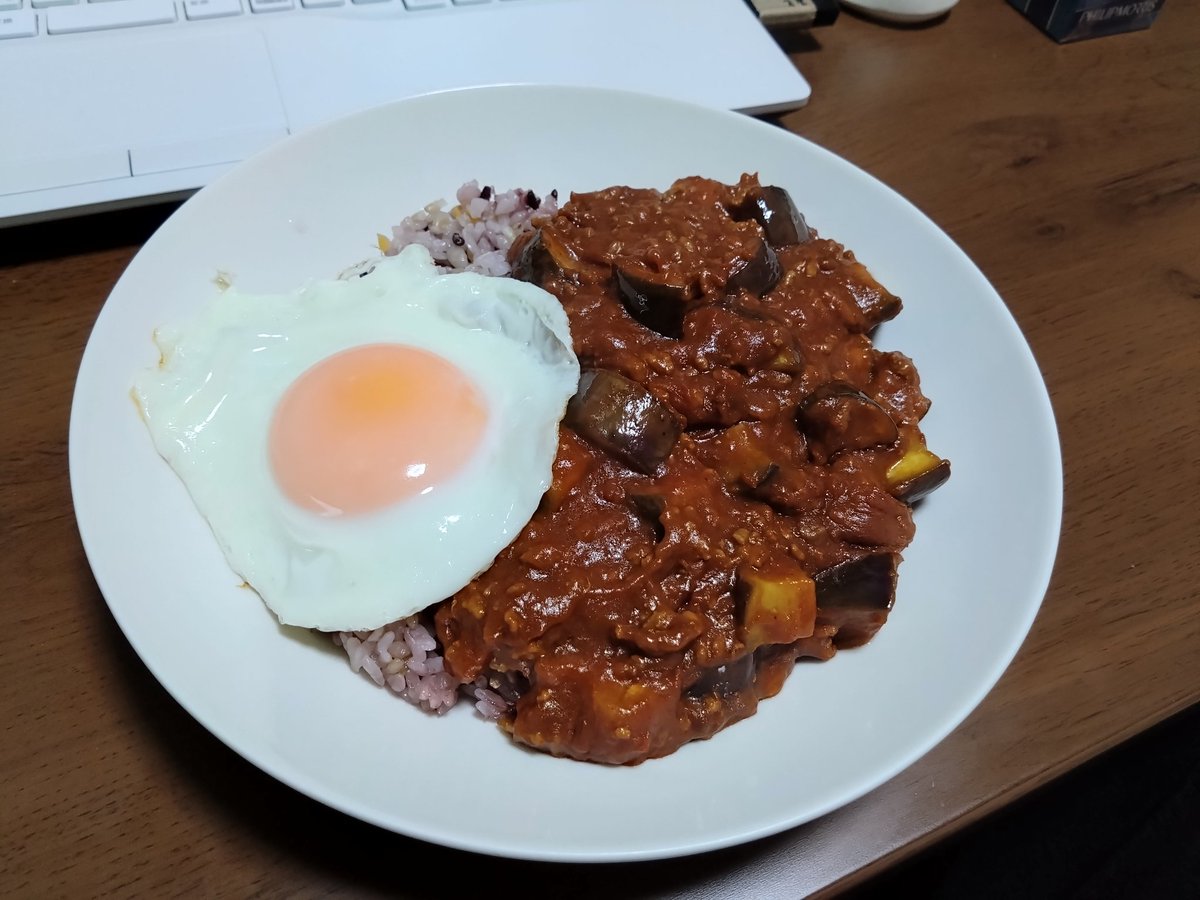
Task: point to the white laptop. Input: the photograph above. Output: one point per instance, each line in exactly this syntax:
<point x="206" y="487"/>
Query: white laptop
<point x="113" y="102"/>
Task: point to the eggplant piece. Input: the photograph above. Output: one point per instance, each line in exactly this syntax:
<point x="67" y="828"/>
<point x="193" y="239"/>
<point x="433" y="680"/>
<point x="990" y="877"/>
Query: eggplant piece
<point x="868" y="582"/>
<point x="772" y="208"/>
<point x="917" y="473"/>
<point x="758" y="274"/>
<point x="776" y="604"/>
<point x="532" y="261"/>
<point x="666" y="631"/>
<point x="787" y="360"/>
<point x="742" y="463"/>
<point x="876" y="302"/>
<point x="723" y="680"/>
<point x="651" y="507"/>
<point x="622" y="418"/>
<point x="541" y="256"/>
<point x="856" y="596"/>
<point x="922" y="485"/>
<point x="658" y="305"/>
<point x="837" y="416"/>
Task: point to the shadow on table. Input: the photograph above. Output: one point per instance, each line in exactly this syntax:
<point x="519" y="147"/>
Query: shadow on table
<point x="82" y="234"/>
<point x="1126" y="825"/>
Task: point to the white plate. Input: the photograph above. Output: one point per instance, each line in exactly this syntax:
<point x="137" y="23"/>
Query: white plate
<point x="969" y="587"/>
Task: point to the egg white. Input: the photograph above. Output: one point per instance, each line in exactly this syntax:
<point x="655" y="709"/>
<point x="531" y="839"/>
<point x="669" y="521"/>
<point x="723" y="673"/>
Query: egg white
<point x="209" y="402"/>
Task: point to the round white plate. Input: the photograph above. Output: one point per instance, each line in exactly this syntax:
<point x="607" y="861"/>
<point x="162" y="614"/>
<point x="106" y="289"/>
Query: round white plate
<point x="970" y="584"/>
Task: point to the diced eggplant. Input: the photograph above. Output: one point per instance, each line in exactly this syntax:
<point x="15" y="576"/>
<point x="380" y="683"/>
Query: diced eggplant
<point x="760" y="476"/>
<point x="838" y="416"/>
<point x="658" y="305"/>
<point x="651" y="507"/>
<point x="877" y="303"/>
<point x="917" y="473"/>
<point x="758" y="274"/>
<point x="531" y="261"/>
<point x="623" y="418"/>
<point x="856" y="596"/>
<point x="773" y="209"/>
<point x="664" y="632"/>
<point x="787" y="360"/>
<point x="726" y="679"/>
<point x="868" y="582"/>
<point x="541" y="256"/>
<point x="922" y="485"/>
<point x="742" y="462"/>
<point x="772" y="665"/>
<point x="776" y="604"/>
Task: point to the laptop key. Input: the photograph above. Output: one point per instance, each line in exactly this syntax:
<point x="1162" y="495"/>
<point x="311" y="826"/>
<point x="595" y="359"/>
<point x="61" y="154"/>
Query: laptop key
<point x="211" y="9"/>
<point x="18" y="24"/>
<point x="261" y="6"/>
<point x="42" y="4"/>
<point x="100" y="16"/>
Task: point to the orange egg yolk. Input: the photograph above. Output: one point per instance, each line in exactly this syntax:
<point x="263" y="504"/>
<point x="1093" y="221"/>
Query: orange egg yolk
<point x="371" y="426"/>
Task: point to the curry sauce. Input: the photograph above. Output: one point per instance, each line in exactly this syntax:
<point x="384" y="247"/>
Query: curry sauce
<point x="733" y="484"/>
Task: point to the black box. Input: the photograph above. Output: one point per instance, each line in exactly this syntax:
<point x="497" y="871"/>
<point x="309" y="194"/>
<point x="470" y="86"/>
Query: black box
<point x="1075" y="20"/>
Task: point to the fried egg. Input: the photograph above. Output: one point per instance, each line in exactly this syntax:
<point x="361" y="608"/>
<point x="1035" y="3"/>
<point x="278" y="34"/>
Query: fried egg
<point x="362" y="448"/>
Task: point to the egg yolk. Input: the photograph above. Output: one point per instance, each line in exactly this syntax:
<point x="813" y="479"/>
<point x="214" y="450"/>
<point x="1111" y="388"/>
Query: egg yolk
<point x="371" y="426"/>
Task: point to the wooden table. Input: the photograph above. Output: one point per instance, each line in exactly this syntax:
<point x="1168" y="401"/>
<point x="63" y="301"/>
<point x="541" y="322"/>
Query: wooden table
<point x="1071" y="174"/>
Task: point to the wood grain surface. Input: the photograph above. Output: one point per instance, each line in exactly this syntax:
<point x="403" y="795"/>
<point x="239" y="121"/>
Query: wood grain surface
<point x="1070" y="174"/>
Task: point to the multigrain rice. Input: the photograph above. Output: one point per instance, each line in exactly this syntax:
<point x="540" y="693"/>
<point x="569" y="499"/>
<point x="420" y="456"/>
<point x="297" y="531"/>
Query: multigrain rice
<point x="403" y="657"/>
<point x="474" y="235"/>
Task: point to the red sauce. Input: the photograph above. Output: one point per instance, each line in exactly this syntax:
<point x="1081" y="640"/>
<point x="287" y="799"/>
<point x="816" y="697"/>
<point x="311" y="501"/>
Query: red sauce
<point x="643" y="611"/>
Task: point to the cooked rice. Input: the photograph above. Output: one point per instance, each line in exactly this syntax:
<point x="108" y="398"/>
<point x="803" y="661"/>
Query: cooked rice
<point x="402" y="656"/>
<point x="494" y="693"/>
<point x="475" y="234"/>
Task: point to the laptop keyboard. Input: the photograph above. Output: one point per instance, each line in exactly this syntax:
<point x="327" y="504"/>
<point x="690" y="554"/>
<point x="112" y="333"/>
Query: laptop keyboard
<point x="122" y="100"/>
<point x="26" y="19"/>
